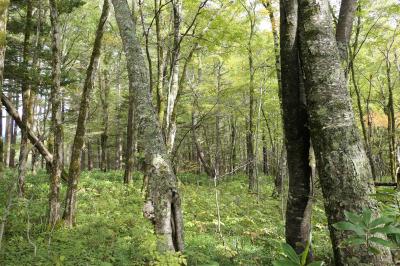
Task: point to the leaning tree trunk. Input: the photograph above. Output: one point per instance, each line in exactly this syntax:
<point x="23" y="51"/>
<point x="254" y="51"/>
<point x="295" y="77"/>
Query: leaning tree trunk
<point x="74" y="166"/>
<point x="297" y="135"/>
<point x="343" y="166"/>
<point x="56" y="169"/>
<point x="163" y="207"/>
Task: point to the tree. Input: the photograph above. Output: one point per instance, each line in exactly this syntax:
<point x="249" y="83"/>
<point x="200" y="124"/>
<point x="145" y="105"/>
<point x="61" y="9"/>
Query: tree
<point x="163" y="205"/>
<point x="75" y="163"/>
<point x="297" y="135"/>
<point x="342" y="164"/>
<point x="3" y="33"/>
<point x="57" y="130"/>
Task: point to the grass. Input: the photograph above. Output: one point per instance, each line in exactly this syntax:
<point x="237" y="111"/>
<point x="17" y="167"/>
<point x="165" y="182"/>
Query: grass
<point x="111" y="229"/>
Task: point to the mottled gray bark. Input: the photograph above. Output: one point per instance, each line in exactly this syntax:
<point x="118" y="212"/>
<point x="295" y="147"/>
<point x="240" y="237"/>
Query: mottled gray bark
<point x="342" y="164"/>
<point x="163" y="205"/>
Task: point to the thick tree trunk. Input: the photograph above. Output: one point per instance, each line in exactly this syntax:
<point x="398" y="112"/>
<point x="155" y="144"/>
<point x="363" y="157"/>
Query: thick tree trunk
<point x="343" y="167"/>
<point x="297" y="136"/>
<point x="26" y="108"/>
<point x="74" y="166"/>
<point x="163" y="207"/>
<point x="56" y="169"/>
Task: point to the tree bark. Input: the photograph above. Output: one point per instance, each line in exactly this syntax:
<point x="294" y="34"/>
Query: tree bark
<point x="74" y="166"/>
<point x="26" y="94"/>
<point x="343" y="167"/>
<point x="57" y="130"/>
<point x="345" y="26"/>
<point x="297" y="136"/>
<point x="104" y="98"/>
<point x="163" y="207"/>
<point x="3" y="33"/>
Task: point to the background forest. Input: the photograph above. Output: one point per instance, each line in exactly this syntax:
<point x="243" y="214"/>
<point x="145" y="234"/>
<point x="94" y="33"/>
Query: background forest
<point x="188" y="132"/>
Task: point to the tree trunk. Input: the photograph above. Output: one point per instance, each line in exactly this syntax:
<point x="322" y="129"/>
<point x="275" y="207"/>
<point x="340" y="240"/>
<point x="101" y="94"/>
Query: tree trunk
<point x="173" y="88"/>
<point x="74" y="166"/>
<point x="26" y="109"/>
<point x="3" y="32"/>
<point x="9" y="128"/>
<point x="251" y="164"/>
<point x="104" y="97"/>
<point x="14" y="133"/>
<point x="89" y="156"/>
<point x="56" y="169"/>
<point x="163" y="207"/>
<point x="343" y="167"/>
<point x="297" y="136"/>
<point x="129" y="149"/>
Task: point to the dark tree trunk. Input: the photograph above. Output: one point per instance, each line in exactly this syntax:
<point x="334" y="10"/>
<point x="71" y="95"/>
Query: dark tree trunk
<point x="297" y="136"/>
<point x="343" y="167"/>
<point x="104" y="97"/>
<point x="74" y="167"/>
<point x="163" y="207"/>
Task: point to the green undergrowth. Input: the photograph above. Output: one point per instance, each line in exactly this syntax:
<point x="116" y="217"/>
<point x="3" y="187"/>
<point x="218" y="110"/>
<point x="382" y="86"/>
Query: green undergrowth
<point x="111" y="229"/>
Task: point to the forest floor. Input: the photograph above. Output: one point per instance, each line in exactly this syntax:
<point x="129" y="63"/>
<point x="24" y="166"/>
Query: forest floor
<point x="111" y="229"/>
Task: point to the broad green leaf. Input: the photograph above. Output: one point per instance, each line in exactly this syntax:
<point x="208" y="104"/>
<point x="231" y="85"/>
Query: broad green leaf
<point x="352" y="217"/>
<point x="349" y="226"/>
<point x="388" y="229"/>
<point x="355" y="240"/>
<point x="366" y="216"/>
<point x="382" y="242"/>
<point x="290" y="253"/>
<point x="380" y="221"/>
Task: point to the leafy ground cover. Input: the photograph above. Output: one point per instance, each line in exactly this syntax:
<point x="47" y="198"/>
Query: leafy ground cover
<point x="111" y="229"/>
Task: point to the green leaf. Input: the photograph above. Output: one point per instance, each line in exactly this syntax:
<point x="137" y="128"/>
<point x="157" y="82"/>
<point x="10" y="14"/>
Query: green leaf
<point x="388" y="229"/>
<point x="290" y="253"/>
<point x="349" y="226"/>
<point x="366" y="216"/>
<point x="304" y="254"/>
<point x="355" y="241"/>
<point x="284" y="262"/>
<point x="374" y="250"/>
<point x="380" y="221"/>
<point x="316" y="263"/>
<point x="352" y="217"/>
<point x="382" y="242"/>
